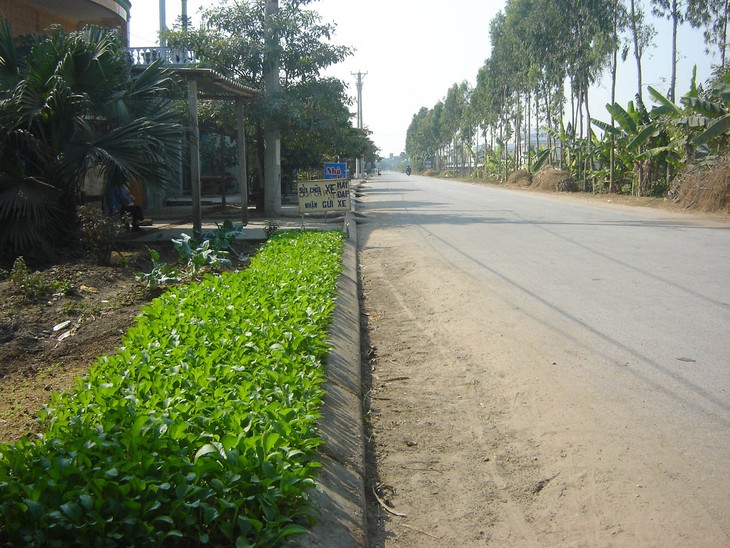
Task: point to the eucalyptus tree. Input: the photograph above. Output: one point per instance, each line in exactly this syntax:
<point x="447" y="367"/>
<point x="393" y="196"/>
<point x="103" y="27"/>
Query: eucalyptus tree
<point x="713" y="16"/>
<point x="502" y="62"/>
<point x="69" y="104"/>
<point x="483" y="111"/>
<point x="642" y="38"/>
<point x="417" y="146"/>
<point x="523" y="21"/>
<point x="716" y="27"/>
<point x="696" y="12"/>
<point x="546" y="35"/>
<point x="589" y="47"/>
<point x="454" y="106"/>
<point x="469" y="130"/>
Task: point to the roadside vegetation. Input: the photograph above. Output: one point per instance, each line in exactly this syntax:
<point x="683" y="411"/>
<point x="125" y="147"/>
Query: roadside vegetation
<point x="201" y="426"/>
<point x="311" y="112"/>
<point x="70" y="106"/>
<point x="73" y="108"/>
<point x="530" y="108"/>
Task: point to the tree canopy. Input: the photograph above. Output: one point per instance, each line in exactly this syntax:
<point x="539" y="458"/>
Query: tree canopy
<point x="530" y="102"/>
<point x="312" y="112"/>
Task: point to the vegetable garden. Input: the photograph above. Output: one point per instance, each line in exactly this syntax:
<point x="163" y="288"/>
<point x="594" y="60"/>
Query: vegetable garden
<point x="201" y="427"/>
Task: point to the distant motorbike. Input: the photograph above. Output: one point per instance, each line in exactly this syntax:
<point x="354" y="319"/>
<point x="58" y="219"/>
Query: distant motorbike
<point x="408" y="170"/>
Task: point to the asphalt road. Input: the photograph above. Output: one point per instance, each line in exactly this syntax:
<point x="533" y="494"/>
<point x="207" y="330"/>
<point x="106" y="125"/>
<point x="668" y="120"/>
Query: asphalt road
<point x="634" y="303"/>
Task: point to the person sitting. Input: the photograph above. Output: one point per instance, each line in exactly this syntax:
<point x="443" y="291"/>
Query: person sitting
<point x="119" y="200"/>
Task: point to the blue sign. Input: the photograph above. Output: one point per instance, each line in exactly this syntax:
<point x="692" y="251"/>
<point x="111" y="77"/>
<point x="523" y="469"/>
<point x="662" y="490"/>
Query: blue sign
<point x="334" y="170"/>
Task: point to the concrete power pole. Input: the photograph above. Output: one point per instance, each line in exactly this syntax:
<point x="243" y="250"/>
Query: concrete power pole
<point x="184" y="14"/>
<point x="272" y="134"/>
<point x="359" y="162"/>
<point x="163" y="25"/>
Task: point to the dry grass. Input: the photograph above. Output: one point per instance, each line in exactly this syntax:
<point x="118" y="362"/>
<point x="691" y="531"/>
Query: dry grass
<point x="704" y="189"/>
<point x="521" y="177"/>
<point x="553" y="179"/>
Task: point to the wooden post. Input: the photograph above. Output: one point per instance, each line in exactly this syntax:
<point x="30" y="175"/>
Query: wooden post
<point x="242" y="168"/>
<point x="195" y="158"/>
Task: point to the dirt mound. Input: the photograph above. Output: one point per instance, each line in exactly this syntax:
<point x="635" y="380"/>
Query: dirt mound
<point x="521" y="177"/>
<point x="704" y="189"/>
<point x="550" y="178"/>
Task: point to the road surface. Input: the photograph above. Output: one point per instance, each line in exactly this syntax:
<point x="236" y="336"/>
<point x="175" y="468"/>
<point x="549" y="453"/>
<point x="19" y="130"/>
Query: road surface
<point x="545" y="370"/>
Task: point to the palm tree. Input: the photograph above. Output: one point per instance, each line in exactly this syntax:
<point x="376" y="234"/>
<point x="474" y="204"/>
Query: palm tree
<point x="70" y="103"/>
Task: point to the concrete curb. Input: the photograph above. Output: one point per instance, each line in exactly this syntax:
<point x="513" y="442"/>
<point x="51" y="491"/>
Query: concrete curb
<point x="341" y="498"/>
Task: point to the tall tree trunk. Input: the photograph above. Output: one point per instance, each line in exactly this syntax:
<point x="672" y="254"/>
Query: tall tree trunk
<point x="537" y="120"/>
<point x="589" y="159"/>
<point x="614" y="68"/>
<point x="637" y="48"/>
<point x="272" y="135"/>
<point x="518" y="129"/>
<point x="675" y="25"/>
<point x="528" y="109"/>
<point x="550" y="139"/>
<point x="723" y="39"/>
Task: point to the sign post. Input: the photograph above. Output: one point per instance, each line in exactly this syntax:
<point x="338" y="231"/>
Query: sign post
<point x="323" y="196"/>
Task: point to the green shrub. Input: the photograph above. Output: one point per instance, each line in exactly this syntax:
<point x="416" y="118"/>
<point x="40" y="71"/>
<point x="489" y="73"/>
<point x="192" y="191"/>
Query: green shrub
<point x="99" y="232"/>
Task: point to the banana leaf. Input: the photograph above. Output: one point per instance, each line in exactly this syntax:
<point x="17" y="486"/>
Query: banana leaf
<point x="703" y="106"/>
<point x="542" y="156"/>
<point x="667" y="105"/>
<point x="722" y="125"/>
<point x="642" y="137"/>
<point x="607" y="128"/>
<point x="623" y="118"/>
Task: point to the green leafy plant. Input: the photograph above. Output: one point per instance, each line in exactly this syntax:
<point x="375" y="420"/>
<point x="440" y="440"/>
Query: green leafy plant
<point x="223" y="238"/>
<point x="201" y="428"/>
<point x="192" y="257"/>
<point x="197" y="255"/>
<point x="161" y="275"/>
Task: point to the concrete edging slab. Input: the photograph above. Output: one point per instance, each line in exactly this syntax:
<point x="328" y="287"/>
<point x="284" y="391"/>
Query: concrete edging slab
<point x="341" y="499"/>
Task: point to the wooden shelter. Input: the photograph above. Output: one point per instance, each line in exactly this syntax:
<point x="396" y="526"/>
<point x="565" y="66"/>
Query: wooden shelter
<point x="207" y="84"/>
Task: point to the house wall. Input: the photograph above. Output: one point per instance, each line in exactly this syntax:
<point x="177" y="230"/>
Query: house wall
<point x="29" y="17"/>
<point x="25" y="19"/>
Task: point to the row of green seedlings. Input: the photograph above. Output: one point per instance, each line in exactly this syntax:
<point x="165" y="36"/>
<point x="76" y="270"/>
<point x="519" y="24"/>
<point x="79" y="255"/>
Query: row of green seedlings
<point x="201" y="429"/>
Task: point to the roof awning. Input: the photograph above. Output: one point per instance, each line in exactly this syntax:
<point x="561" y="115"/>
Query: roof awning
<point x="213" y="85"/>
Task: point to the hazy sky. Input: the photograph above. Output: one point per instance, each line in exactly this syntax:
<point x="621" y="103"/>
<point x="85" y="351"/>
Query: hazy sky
<point x="413" y="51"/>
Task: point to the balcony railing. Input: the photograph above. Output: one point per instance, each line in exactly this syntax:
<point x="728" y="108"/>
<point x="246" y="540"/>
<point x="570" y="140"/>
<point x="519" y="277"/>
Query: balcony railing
<point x="170" y="56"/>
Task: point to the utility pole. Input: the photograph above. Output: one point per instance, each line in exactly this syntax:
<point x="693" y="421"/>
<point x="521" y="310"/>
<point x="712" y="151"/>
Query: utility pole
<point x="359" y="162"/>
<point x="163" y="27"/>
<point x="184" y="14"/>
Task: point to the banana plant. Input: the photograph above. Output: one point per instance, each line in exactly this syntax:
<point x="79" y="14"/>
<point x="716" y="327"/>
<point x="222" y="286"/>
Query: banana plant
<point x="632" y="138"/>
<point x="541" y="157"/>
<point x="711" y="115"/>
